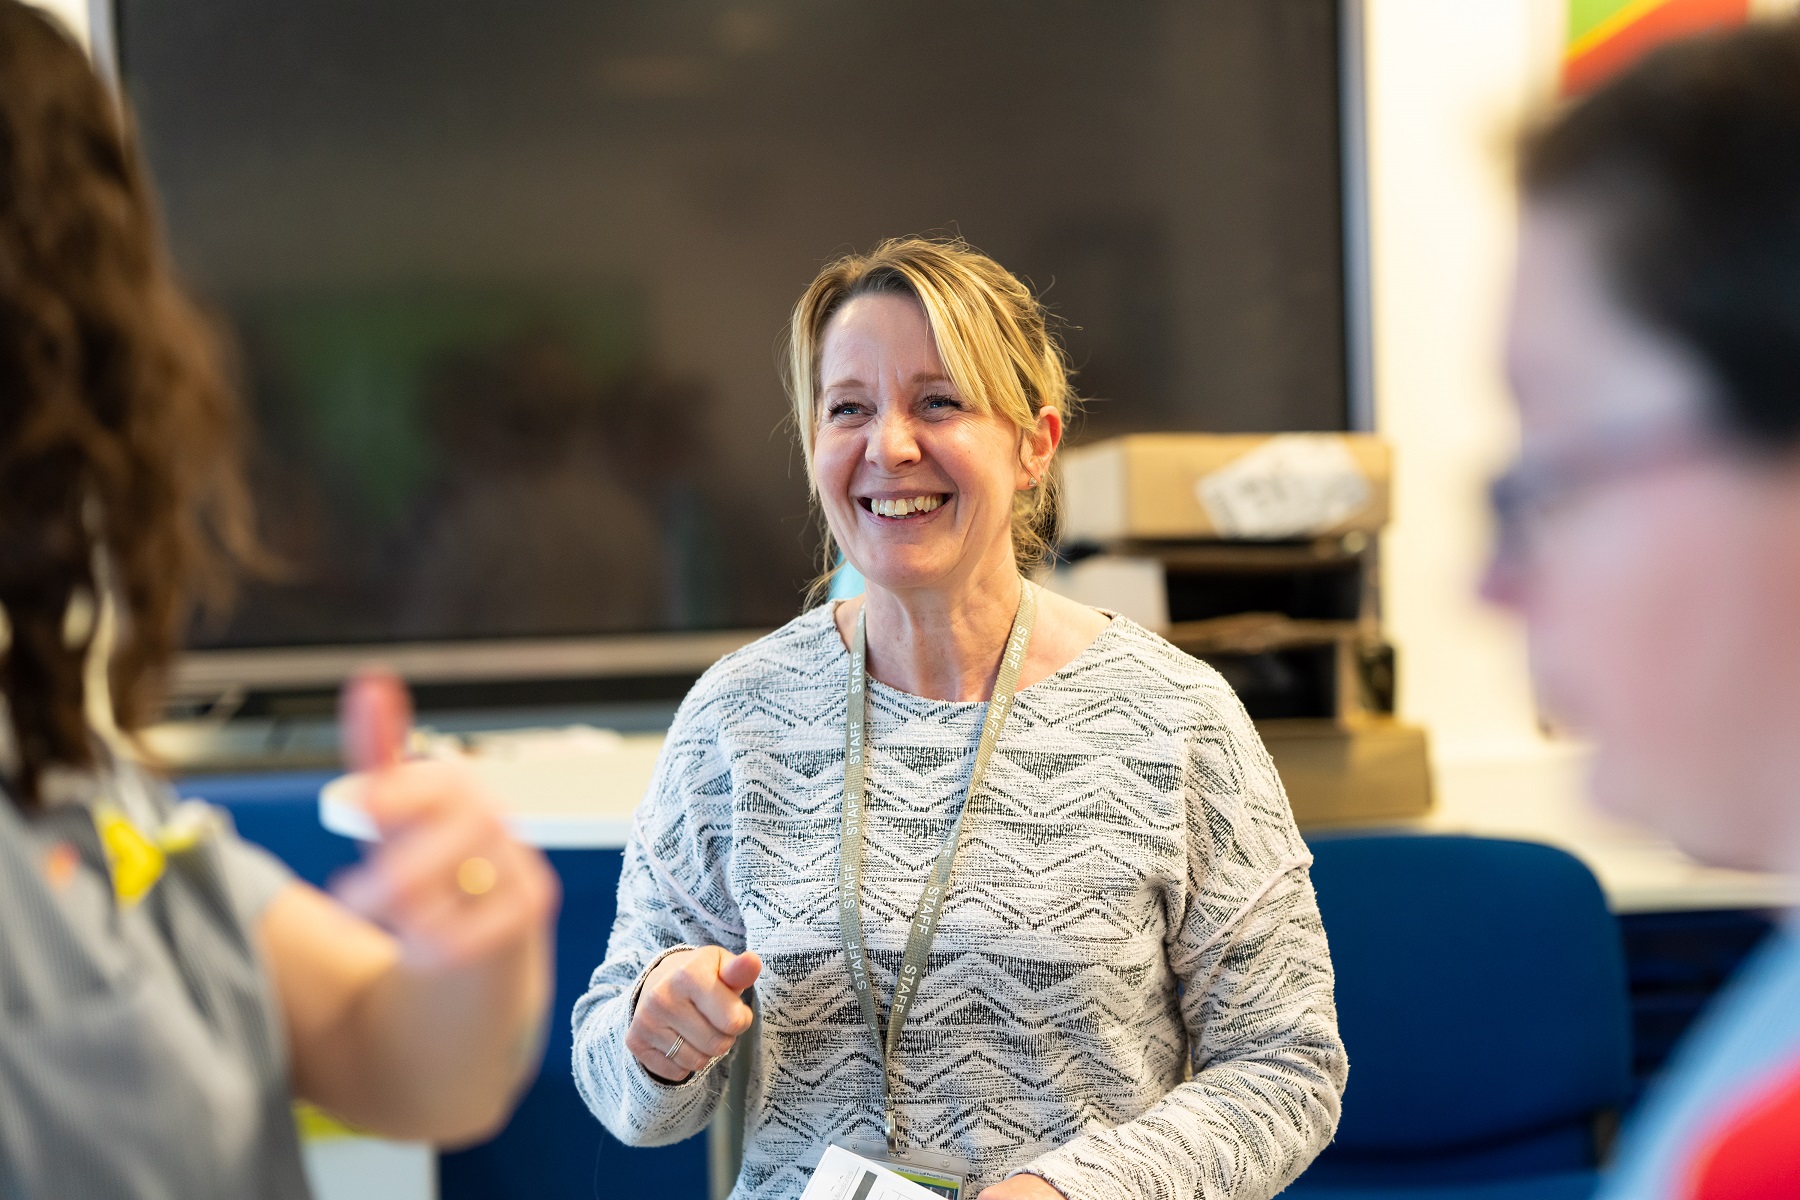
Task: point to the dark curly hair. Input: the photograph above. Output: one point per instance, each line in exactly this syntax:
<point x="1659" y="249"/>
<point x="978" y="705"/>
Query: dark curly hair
<point x="1689" y="163"/>
<point x="119" y="435"/>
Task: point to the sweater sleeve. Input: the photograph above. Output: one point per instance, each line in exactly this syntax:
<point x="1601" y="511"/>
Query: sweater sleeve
<point x="1256" y="1000"/>
<point x="673" y="894"/>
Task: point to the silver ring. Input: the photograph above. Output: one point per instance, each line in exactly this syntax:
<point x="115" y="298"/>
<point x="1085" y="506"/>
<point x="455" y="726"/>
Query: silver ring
<point x="674" y="1047"/>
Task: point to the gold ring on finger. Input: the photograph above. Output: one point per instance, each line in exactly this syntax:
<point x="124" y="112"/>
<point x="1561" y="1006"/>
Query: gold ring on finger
<point x="476" y="875"/>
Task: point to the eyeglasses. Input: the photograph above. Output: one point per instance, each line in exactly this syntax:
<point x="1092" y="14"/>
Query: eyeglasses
<point x="1531" y="492"/>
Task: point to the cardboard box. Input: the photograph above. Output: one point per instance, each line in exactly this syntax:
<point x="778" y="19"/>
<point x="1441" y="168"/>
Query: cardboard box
<point x="1370" y="772"/>
<point x="1258" y="487"/>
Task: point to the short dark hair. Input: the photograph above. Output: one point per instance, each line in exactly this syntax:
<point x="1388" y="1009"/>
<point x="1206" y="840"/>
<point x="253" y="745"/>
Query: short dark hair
<point x="1690" y="161"/>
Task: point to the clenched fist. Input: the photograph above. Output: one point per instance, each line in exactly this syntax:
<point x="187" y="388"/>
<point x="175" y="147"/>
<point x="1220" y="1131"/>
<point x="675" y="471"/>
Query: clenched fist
<point x="691" y="1010"/>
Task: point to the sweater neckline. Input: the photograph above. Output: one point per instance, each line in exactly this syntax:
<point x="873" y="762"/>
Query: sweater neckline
<point x="841" y="655"/>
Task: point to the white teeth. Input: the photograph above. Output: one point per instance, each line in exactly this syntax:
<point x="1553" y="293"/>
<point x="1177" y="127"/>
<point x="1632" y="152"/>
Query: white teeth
<point x="905" y="507"/>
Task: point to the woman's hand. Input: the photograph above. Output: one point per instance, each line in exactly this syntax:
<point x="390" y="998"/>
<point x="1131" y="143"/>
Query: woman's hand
<point x="416" y="1007"/>
<point x="1021" y="1187"/>
<point x="446" y="879"/>
<point x="691" y="1003"/>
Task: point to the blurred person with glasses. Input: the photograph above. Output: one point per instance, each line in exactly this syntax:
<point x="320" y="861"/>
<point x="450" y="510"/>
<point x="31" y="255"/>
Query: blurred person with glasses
<point x="1650" y="533"/>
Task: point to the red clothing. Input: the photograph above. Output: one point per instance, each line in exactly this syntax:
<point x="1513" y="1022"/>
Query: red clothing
<point x="1755" y="1153"/>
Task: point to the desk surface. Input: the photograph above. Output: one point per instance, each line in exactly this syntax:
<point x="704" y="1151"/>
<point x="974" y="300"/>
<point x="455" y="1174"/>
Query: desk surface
<point x="582" y="795"/>
<point x="582" y="799"/>
<point x="1643" y="874"/>
<point x="1538" y="792"/>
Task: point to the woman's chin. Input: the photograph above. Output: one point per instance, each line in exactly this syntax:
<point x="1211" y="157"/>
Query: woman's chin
<point x="904" y="581"/>
<point x="906" y="573"/>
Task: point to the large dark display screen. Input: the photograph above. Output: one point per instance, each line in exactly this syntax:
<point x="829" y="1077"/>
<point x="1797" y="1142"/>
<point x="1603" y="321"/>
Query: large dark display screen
<point x="508" y="277"/>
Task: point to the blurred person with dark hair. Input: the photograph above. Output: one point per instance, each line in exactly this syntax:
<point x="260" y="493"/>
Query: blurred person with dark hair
<point x="167" y="988"/>
<point x="1650" y="533"/>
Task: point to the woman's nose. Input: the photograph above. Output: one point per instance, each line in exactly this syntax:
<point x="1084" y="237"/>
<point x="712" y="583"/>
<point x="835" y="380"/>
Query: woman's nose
<point x="892" y="443"/>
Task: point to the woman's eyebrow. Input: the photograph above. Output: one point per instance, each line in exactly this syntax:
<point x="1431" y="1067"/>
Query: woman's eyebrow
<point x="919" y="380"/>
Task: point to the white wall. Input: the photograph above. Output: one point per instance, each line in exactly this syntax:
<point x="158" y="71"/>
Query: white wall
<point x="1447" y="84"/>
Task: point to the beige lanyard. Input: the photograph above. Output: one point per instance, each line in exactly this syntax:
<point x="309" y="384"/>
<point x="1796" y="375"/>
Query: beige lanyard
<point x="931" y="901"/>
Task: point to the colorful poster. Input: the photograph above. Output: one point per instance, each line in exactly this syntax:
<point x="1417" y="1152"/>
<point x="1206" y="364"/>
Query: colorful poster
<point x="1604" y="36"/>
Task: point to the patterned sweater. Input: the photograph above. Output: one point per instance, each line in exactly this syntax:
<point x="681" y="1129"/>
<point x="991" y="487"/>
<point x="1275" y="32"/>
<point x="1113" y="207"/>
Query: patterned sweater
<point x="1129" y="994"/>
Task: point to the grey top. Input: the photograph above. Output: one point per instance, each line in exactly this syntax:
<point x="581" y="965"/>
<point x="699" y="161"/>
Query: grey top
<point x="1129" y="993"/>
<point x="141" y="1053"/>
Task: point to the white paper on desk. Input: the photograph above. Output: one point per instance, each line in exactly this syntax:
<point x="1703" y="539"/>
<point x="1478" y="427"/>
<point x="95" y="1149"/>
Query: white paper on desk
<point x="842" y="1175"/>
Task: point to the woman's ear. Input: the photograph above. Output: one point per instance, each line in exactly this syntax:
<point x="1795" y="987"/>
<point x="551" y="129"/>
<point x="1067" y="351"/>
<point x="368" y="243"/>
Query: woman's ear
<point x="1038" y="445"/>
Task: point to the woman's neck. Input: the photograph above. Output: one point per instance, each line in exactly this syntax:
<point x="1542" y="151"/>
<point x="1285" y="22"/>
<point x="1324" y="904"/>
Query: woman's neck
<point x="942" y="643"/>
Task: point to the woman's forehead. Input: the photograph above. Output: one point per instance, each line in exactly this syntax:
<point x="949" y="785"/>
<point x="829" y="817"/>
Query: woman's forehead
<point x="884" y="336"/>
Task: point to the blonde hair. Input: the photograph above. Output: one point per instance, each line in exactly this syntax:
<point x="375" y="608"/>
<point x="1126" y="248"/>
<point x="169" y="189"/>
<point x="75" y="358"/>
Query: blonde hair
<point x="992" y="333"/>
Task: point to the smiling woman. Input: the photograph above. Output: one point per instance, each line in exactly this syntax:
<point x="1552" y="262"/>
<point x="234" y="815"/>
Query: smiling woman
<point x="1048" y="839"/>
<point x="974" y="340"/>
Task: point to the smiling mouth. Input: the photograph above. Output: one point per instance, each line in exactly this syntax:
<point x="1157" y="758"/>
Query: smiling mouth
<point x="905" y="507"/>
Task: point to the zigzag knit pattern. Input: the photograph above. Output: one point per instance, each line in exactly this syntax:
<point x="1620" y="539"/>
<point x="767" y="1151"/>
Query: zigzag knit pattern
<point x="1130" y="992"/>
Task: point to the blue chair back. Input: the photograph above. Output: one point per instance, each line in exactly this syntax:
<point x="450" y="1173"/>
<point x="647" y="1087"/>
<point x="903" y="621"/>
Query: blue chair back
<point x="1482" y="997"/>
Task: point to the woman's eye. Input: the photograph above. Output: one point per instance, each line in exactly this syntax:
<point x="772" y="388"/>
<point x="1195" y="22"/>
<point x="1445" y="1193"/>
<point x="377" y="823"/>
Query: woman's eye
<point x="843" y="408"/>
<point x="941" y="402"/>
